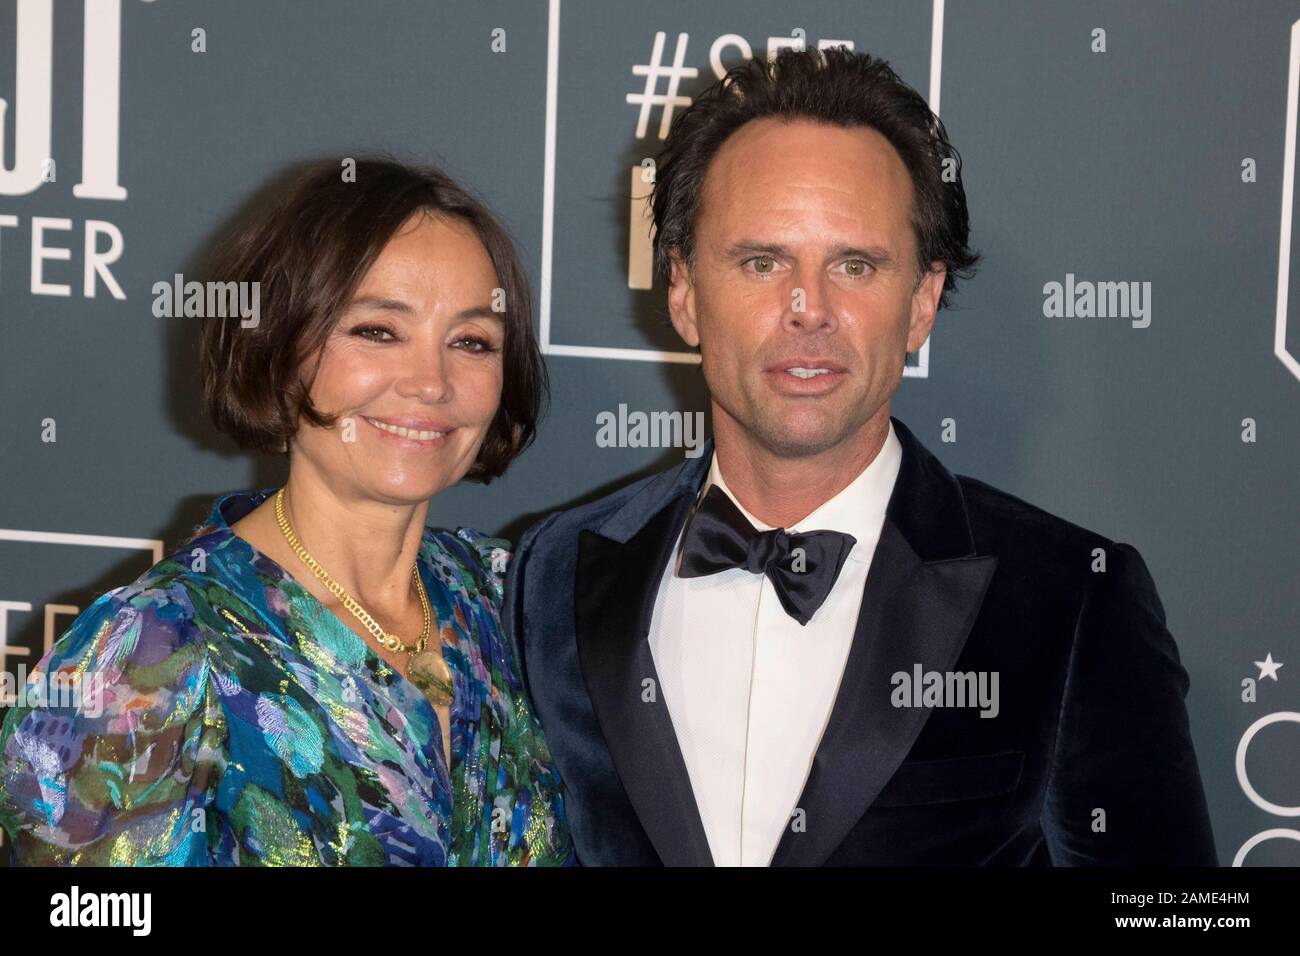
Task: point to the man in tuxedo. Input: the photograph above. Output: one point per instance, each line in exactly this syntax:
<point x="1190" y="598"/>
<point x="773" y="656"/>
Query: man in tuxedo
<point x="813" y="644"/>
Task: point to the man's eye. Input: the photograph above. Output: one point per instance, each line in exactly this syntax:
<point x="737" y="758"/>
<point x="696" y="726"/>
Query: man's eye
<point x="374" y="333"/>
<point x="857" y="268"/>
<point x="763" y="265"/>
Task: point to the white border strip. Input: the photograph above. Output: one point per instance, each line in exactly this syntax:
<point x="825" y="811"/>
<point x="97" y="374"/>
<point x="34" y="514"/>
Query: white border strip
<point x="548" y="168"/>
<point x="88" y="540"/>
<point x="1288" y="200"/>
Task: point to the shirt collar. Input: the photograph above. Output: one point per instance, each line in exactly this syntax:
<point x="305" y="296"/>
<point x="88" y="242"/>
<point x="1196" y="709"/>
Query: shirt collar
<point x="858" y="509"/>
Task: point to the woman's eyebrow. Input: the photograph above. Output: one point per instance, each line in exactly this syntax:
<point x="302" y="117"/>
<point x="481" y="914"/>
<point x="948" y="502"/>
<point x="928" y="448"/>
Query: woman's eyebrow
<point x="386" y="304"/>
<point x="481" y="312"/>
<point x="397" y="305"/>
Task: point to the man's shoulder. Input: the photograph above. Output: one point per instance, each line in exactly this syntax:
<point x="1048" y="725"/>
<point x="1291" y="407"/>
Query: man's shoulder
<point x="566" y="523"/>
<point x="1040" y="552"/>
<point x="1002" y="522"/>
<point x="560" y="529"/>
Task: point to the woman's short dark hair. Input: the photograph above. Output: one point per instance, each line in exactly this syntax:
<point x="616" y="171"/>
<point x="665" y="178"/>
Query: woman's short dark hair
<point x="837" y="87"/>
<point x="309" y="253"/>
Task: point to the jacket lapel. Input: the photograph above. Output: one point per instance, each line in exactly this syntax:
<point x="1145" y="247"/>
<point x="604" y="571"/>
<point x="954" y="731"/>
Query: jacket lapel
<point x="619" y="567"/>
<point x="923" y="592"/>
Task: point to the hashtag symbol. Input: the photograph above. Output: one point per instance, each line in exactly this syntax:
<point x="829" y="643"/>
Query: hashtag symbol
<point x="652" y="71"/>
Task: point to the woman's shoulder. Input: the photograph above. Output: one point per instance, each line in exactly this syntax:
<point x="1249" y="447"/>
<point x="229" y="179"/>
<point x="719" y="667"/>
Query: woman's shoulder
<point x="158" y="622"/>
<point x="146" y="626"/>
<point x="467" y="559"/>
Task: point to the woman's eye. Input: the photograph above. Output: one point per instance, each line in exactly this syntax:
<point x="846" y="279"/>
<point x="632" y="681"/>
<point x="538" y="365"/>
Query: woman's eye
<point x="857" y="268"/>
<point x="473" y="343"/>
<point x="763" y="265"/>
<point x="374" y="333"/>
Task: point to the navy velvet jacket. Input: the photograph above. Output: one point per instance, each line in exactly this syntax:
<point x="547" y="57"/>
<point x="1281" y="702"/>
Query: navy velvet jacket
<point x="1088" y="762"/>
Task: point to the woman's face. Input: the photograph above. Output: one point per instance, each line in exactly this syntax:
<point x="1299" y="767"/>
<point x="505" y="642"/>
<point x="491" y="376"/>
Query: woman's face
<point x="413" y="367"/>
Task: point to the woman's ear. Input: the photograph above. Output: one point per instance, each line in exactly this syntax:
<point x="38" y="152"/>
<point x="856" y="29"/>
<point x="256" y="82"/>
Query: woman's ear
<point x="681" y="301"/>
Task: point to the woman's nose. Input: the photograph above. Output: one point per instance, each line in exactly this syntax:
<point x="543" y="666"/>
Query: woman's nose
<point x="427" y="379"/>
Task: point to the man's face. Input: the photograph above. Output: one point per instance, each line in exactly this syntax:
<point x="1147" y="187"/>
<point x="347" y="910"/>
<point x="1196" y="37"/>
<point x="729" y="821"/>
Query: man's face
<point x="804" y="299"/>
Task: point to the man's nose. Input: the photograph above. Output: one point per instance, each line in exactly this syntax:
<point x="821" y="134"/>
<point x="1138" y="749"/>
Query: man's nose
<point x="810" y="308"/>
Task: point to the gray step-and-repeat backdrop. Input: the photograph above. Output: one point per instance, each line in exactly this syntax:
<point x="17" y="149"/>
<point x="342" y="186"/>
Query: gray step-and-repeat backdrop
<point x="1144" y="143"/>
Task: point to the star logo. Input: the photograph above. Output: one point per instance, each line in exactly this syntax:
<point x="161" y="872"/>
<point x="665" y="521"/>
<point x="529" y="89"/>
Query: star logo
<point x="1268" y="667"/>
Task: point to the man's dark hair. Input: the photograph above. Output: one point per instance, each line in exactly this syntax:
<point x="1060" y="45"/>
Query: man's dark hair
<point x="310" y="253"/>
<point x="837" y="87"/>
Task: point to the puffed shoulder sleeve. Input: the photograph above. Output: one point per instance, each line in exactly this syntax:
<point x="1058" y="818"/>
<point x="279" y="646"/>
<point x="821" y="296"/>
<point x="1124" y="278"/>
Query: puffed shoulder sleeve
<point x="112" y="752"/>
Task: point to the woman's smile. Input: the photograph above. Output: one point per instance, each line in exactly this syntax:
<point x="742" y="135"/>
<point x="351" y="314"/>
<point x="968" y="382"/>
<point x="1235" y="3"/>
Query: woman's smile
<point x="418" y="433"/>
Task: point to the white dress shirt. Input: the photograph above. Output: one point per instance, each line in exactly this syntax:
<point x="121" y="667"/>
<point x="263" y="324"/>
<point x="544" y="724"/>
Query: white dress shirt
<point x="750" y="690"/>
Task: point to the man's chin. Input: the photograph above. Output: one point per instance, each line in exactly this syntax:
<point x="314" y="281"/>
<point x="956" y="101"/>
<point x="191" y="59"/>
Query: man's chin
<point x="802" y="443"/>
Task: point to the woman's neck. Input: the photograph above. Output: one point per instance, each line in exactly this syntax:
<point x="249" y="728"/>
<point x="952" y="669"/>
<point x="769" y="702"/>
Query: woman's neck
<point x="367" y="547"/>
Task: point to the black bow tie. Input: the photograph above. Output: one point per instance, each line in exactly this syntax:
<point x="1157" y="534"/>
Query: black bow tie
<point x="802" y="567"/>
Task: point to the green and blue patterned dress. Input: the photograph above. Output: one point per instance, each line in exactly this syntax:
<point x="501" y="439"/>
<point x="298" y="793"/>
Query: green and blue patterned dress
<point x="242" y="723"/>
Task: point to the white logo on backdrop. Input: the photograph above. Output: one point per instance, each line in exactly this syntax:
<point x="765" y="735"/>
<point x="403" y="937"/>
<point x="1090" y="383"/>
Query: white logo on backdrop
<point x="33" y="91"/>
<point x="1288" y="196"/>
<point x="34" y="163"/>
<point x="639" y="251"/>
<point x="1281" y="810"/>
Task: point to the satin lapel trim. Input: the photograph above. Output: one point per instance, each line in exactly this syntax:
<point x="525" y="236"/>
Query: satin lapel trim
<point x="614" y="595"/>
<point x="912" y="612"/>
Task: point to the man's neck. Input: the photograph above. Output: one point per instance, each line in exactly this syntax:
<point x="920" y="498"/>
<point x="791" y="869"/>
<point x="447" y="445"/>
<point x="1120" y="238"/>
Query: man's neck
<point x="781" y="491"/>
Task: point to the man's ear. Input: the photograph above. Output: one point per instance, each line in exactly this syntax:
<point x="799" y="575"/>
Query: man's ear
<point x="681" y="301"/>
<point x="925" y="303"/>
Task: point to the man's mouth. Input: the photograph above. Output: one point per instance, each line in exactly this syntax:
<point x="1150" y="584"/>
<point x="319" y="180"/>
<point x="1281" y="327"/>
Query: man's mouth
<point x="806" y="376"/>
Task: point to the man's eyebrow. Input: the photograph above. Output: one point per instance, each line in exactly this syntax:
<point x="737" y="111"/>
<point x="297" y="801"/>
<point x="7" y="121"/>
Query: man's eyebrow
<point x="397" y="305"/>
<point x="875" y="254"/>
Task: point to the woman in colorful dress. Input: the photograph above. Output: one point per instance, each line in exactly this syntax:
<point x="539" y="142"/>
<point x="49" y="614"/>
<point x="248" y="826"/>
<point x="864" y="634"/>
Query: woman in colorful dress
<point x="315" y="677"/>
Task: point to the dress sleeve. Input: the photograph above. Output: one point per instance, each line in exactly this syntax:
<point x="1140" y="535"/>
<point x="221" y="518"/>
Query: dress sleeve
<point x="493" y="558"/>
<point x="522" y="821"/>
<point x="113" y="756"/>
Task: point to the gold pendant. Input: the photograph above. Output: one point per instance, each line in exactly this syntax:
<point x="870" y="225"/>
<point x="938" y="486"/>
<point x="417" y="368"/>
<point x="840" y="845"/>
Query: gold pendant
<point x="429" y="672"/>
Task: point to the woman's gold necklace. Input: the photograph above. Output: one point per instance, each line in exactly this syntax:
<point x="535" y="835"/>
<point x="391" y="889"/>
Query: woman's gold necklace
<point x="426" y="668"/>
